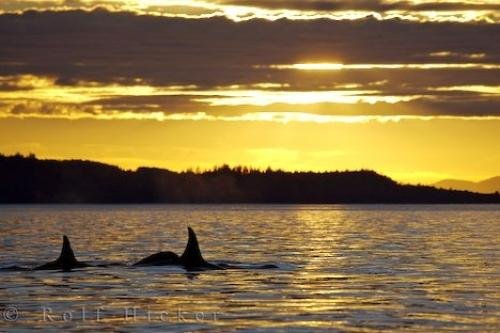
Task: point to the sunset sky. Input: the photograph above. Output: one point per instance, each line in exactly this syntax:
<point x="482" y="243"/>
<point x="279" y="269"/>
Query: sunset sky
<point x="410" y="89"/>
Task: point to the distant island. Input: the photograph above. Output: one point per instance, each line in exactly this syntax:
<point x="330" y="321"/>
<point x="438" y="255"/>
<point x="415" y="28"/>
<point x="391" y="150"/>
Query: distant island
<point x="27" y="179"/>
<point x="489" y="185"/>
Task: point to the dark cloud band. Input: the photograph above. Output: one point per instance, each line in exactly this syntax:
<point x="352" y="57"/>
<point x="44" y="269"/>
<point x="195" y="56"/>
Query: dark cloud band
<point x="107" y="49"/>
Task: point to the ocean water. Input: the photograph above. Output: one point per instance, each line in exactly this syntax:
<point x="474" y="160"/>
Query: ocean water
<point x="345" y="268"/>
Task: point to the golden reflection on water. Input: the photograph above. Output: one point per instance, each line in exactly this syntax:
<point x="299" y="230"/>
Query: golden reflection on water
<point x="349" y="268"/>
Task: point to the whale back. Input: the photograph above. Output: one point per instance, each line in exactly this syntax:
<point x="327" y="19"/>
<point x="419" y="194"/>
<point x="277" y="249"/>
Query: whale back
<point x="192" y="255"/>
<point x="159" y="259"/>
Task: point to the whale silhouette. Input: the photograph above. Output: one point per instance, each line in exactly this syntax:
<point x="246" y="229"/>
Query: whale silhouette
<point x="66" y="260"/>
<point x="190" y="259"/>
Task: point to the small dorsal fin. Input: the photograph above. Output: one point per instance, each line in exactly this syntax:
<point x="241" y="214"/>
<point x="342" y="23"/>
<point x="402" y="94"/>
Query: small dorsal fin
<point x="67" y="256"/>
<point x="192" y="254"/>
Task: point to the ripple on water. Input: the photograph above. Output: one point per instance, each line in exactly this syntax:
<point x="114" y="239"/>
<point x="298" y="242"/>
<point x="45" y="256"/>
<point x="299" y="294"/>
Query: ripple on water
<point x="340" y="268"/>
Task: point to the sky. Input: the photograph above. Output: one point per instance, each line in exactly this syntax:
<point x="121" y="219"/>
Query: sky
<point x="410" y="89"/>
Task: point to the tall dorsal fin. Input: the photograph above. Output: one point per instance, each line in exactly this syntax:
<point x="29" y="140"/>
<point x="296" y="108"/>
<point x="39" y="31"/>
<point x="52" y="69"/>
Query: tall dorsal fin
<point x="67" y="256"/>
<point x="192" y="254"/>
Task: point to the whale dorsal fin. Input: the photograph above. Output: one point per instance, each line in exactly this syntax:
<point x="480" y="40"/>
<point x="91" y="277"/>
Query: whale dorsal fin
<point x="192" y="254"/>
<point x="67" y="256"/>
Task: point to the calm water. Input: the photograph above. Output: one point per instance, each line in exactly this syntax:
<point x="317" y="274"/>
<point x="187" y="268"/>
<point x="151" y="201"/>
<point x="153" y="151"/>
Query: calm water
<point x="341" y="268"/>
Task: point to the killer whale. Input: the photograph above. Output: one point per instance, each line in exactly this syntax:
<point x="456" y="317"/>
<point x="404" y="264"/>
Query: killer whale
<point x="66" y="260"/>
<point x="190" y="259"/>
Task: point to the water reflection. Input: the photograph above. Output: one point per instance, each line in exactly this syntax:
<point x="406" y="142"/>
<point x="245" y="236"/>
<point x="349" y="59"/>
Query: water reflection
<point x="362" y="268"/>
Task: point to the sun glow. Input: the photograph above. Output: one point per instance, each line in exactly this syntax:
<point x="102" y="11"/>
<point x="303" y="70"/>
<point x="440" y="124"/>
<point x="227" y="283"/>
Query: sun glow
<point x="482" y="89"/>
<point x="266" y="98"/>
<point x="46" y="89"/>
<point x="41" y="96"/>
<point x="424" y="66"/>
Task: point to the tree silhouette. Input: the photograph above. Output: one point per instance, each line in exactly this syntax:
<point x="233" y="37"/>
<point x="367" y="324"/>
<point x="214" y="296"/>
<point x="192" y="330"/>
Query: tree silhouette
<point x="30" y="180"/>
